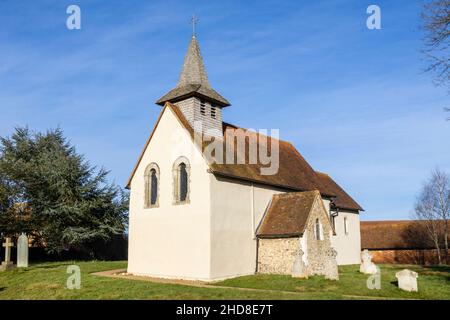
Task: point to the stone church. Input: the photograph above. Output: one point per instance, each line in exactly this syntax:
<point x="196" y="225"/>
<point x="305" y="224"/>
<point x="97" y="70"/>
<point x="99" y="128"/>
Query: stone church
<point x="192" y="217"/>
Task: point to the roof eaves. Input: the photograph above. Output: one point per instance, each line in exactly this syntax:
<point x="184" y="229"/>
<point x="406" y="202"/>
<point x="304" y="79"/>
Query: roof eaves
<point x="179" y="117"/>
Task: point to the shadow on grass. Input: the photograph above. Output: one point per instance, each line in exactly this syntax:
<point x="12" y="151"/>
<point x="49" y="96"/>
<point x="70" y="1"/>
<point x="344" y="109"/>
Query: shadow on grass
<point x="395" y="283"/>
<point x="437" y="270"/>
<point x="51" y="266"/>
<point x="442" y="268"/>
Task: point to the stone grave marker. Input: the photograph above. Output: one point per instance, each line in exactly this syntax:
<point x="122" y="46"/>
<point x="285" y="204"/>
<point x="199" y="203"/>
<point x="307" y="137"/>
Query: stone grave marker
<point x="299" y="268"/>
<point x="367" y="266"/>
<point x="22" y="251"/>
<point x="407" y="280"/>
<point x="7" y="264"/>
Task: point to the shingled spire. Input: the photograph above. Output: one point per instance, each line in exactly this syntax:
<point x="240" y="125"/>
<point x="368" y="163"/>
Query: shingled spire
<point x="193" y="71"/>
<point x="193" y="81"/>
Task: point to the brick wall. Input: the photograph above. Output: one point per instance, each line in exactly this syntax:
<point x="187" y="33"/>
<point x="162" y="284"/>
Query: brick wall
<point x="422" y="257"/>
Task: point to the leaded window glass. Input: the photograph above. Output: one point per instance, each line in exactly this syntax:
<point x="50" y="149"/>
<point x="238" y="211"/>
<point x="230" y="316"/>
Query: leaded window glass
<point x="153" y="187"/>
<point x="183" y="181"/>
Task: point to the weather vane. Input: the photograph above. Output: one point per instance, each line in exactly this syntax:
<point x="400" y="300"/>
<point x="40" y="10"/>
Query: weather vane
<point x="194" y="21"/>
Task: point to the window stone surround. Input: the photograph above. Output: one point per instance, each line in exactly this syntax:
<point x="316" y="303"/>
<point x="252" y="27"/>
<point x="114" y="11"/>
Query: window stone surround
<point x="175" y="182"/>
<point x="147" y="190"/>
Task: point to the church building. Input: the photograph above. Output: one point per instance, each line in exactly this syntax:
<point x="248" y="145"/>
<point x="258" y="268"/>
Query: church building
<point x="192" y="217"/>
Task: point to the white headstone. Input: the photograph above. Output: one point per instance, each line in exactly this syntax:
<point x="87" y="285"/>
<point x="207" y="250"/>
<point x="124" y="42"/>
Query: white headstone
<point x="367" y="266"/>
<point x="22" y="251"/>
<point x="407" y="280"/>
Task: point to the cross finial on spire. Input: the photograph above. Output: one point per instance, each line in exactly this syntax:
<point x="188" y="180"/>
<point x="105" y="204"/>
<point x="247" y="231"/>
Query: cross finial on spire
<point x="193" y="79"/>
<point x="194" y="21"/>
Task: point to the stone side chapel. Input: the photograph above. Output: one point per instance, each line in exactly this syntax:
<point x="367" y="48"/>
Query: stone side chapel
<point x="192" y="218"/>
<point x="302" y="247"/>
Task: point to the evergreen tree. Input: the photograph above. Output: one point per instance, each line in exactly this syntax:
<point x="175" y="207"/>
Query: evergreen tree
<point x="50" y="191"/>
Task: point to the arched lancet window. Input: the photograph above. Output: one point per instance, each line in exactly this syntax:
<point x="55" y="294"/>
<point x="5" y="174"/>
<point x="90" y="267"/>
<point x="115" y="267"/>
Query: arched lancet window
<point x="181" y="180"/>
<point x="318" y="230"/>
<point x="151" y="186"/>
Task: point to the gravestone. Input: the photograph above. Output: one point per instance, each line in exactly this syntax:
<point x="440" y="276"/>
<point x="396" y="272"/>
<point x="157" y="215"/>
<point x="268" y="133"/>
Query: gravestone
<point x="22" y="251"/>
<point x="7" y="264"/>
<point x="332" y="272"/>
<point x="367" y="266"/>
<point x="299" y="268"/>
<point x="407" y="280"/>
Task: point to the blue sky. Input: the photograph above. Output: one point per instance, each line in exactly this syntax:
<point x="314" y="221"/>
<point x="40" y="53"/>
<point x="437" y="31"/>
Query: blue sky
<point x="353" y="101"/>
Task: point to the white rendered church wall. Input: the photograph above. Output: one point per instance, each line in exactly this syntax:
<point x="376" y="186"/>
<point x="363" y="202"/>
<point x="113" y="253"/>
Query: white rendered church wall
<point x="171" y="240"/>
<point x="347" y="245"/>
<point x="237" y="208"/>
<point x="326" y="203"/>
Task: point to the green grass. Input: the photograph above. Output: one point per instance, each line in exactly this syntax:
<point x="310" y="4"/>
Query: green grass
<point x="48" y="281"/>
<point x="433" y="283"/>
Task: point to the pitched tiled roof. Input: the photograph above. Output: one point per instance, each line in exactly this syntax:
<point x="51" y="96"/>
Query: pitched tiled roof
<point x="193" y="80"/>
<point x="294" y="172"/>
<point x="342" y="200"/>
<point x="403" y="234"/>
<point x="186" y="91"/>
<point x="287" y="215"/>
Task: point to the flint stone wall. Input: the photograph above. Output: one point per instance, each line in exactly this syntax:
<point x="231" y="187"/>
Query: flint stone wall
<point x="318" y="250"/>
<point x="277" y="256"/>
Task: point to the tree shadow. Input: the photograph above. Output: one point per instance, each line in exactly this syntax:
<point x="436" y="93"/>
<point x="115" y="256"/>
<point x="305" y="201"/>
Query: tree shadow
<point x="415" y="239"/>
<point x="439" y="268"/>
<point x="51" y="265"/>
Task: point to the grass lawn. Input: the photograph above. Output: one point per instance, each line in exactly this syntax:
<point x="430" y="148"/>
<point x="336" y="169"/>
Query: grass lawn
<point x="48" y="281"/>
<point x="433" y="283"/>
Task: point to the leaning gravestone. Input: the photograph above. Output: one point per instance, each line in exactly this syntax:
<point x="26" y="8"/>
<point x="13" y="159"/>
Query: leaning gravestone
<point x="367" y="266"/>
<point x="22" y="251"/>
<point x="7" y="264"/>
<point x="407" y="280"/>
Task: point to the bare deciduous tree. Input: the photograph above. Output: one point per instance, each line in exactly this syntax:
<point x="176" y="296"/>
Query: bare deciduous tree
<point x="433" y="207"/>
<point x="436" y="24"/>
<point x="441" y="183"/>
